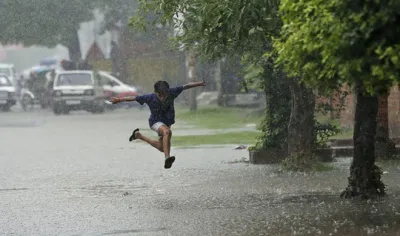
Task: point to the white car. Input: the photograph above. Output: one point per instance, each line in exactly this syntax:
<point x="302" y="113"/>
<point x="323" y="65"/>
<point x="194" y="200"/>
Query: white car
<point x="77" y="90"/>
<point x="7" y="93"/>
<point x="114" y="86"/>
<point x="9" y="71"/>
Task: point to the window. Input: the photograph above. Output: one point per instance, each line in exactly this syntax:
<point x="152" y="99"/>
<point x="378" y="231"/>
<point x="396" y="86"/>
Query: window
<point x="4" y="82"/>
<point x="102" y="80"/>
<point x="5" y="71"/>
<point x="107" y="81"/>
<point x="74" y="79"/>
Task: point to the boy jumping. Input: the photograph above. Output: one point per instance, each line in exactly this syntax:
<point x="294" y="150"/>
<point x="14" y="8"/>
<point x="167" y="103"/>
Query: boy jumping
<point x="162" y="117"/>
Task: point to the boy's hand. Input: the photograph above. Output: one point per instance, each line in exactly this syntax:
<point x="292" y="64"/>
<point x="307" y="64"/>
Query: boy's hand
<point x="194" y="84"/>
<point x="203" y="83"/>
<point x="115" y="100"/>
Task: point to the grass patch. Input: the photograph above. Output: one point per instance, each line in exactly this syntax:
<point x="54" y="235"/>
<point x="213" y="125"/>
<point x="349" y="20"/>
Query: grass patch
<point x="216" y="139"/>
<point x="325" y="119"/>
<point x="321" y="167"/>
<point x="219" y="117"/>
<point x="389" y="163"/>
<point x="345" y="134"/>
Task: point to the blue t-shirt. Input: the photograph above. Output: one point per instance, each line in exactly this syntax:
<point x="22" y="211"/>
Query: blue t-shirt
<point x="161" y="111"/>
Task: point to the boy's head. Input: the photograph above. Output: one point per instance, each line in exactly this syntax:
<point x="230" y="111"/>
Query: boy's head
<point x="161" y="89"/>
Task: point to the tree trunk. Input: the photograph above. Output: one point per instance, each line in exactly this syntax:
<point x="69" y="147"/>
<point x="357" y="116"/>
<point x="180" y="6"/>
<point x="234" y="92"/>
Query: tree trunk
<point x="122" y="61"/>
<point x="74" y="48"/>
<point x="364" y="180"/>
<point x="384" y="147"/>
<point x="191" y="77"/>
<point x="301" y="124"/>
<point x="274" y="126"/>
<point x="218" y="83"/>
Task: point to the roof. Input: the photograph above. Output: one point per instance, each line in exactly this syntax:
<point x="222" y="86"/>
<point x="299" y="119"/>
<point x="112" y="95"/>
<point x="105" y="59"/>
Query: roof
<point x="38" y="69"/>
<point x="6" y="65"/>
<point x="75" y="72"/>
<point x="49" y="61"/>
<point x="94" y="52"/>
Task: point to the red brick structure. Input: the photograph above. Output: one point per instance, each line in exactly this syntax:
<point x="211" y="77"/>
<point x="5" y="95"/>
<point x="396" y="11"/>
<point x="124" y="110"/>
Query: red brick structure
<point x="94" y="53"/>
<point x="393" y="111"/>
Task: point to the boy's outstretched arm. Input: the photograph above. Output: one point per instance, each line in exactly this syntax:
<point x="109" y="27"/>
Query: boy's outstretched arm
<point x="194" y="84"/>
<point x="115" y="100"/>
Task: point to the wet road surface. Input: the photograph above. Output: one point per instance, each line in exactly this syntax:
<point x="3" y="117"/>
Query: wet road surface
<point x="78" y="175"/>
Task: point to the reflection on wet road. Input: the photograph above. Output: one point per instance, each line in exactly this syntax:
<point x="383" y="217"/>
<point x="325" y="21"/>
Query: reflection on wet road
<point x="78" y="175"/>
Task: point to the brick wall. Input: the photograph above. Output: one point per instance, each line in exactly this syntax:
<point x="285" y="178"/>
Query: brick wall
<point x="347" y="115"/>
<point x="394" y="112"/>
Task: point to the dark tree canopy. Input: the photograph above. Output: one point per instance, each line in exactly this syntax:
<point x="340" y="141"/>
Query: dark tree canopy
<point x="43" y="22"/>
<point x="217" y="28"/>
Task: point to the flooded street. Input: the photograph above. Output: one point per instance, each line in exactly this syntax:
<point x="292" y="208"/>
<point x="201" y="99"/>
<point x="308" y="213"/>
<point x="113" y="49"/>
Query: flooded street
<point x="78" y="175"/>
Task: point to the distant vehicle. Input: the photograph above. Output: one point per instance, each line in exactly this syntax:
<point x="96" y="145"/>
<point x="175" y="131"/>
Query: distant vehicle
<point x="49" y="61"/>
<point x="77" y="90"/>
<point x="9" y="71"/>
<point x="113" y="87"/>
<point x="7" y="93"/>
<point x="34" y="88"/>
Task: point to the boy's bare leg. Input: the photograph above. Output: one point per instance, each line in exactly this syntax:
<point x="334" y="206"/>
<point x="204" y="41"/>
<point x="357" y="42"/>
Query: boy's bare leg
<point x="166" y="134"/>
<point x="155" y="143"/>
<point x="166" y="139"/>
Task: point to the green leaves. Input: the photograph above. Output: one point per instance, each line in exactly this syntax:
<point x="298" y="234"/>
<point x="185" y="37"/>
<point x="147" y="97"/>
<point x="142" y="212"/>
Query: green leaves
<point x="253" y="76"/>
<point x="331" y="42"/>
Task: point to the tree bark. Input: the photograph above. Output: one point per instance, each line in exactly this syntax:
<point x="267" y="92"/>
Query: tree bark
<point x="301" y="124"/>
<point x="364" y="180"/>
<point x="274" y="126"/>
<point x="191" y="76"/>
<point x="218" y="83"/>
<point x="122" y="61"/>
<point x="384" y="147"/>
<point x="74" y="48"/>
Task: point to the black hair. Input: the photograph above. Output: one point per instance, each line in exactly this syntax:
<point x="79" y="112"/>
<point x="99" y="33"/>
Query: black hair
<point x="161" y="86"/>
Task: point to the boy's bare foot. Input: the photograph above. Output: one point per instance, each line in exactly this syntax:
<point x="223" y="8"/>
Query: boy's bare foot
<point x="135" y="135"/>
<point x="168" y="162"/>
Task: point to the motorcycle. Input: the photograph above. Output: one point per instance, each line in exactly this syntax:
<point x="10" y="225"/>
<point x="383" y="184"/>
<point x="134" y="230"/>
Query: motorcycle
<point x="36" y="90"/>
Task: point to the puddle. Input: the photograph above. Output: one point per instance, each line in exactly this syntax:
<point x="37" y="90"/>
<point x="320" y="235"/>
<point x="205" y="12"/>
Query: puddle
<point x="12" y="189"/>
<point x="133" y="231"/>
